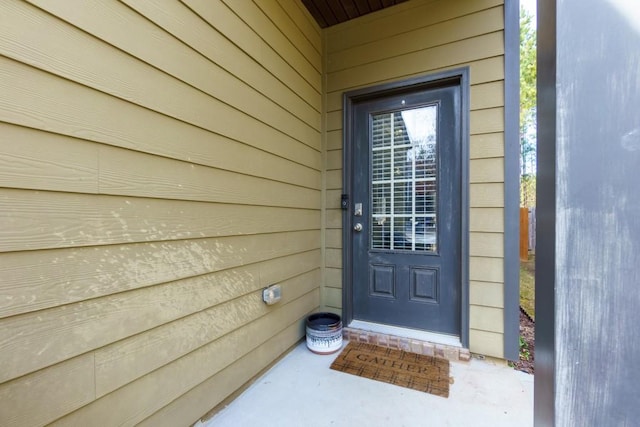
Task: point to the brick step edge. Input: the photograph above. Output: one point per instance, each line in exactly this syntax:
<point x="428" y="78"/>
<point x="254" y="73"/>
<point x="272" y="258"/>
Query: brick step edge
<point x="455" y="354"/>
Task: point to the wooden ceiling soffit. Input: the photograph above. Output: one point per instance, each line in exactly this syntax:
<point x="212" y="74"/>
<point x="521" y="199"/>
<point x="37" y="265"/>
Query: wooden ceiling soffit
<point x="332" y="12"/>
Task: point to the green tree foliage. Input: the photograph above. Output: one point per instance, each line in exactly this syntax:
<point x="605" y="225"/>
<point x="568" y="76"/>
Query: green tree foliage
<point x="528" y="73"/>
<point x="528" y="68"/>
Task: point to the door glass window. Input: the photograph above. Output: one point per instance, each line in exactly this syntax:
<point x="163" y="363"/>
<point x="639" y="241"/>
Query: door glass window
<point x="404" y="180"/>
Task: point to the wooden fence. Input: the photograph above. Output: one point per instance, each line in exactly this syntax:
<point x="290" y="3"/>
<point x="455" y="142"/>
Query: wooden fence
<point x="527" y="232"/>
<point x="532" y="230"/>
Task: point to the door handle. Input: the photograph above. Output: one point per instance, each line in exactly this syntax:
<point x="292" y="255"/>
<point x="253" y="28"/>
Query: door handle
<point x="357" y="227"/>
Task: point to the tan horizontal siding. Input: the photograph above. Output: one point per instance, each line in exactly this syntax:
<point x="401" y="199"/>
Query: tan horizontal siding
<point x="483" y="71"/>
<point x="73" y="220"/>
<point x="212" y="44"/>
<point x="58" y="333"/>
<point x="240" y="369"/>
<point x="146" y="352"/>
<point x="457" y="53"/>
<point x="485" y="342"/>
<point x="71" y="164"/>
<point x="486" y="195"/>
<point x="334" y="120"/>
<point x="333" y="140"/>
<point x="486" y="244"/>
<point x="65" y="387"/>
<point x="486" y="269"/>
<point x="116" y="24"/>
<point x="39" y="279"/>
<point x="333" y="199"/>
<point x="487" y="294"/>
<point x="333" y="218"/>
<point x="487" y="318"/>
<point x="186" y="93"/>
<point x="226" y="21"/>
<point x="160" y="164"/>
<point x="487" y="145"/>
<point x="334" y="160"/>
<point x="334" y="238"/>
<point x="483" y="96"/>
<point x="487" y="95"/>
<point x="172" y="179"/>
<point x="333" y="258"/>
<point x="334" y="179"/>
<point x="438" y="34"/>
<point x="414" y="39"/>
<point x="413" y="15"/>
<point x="487" y="121"/>
<point x="39" y="100"/>
<point x="486" y="170"/>
<point x="140" y="399"/>
<point x="333" y="297"/>
<point x="486" y="219"/>
<point x="333" y="277"/>
<point x="302" y="57"/>
<point x="68" y="164"/>
<point x="304" y="21"/>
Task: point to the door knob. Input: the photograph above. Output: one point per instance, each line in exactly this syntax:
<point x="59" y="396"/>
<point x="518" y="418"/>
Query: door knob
<point x="357" y="227"/>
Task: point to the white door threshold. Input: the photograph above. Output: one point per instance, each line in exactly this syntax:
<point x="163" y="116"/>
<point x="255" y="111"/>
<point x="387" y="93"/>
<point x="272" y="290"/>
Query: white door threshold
<point x="379" y="328"/>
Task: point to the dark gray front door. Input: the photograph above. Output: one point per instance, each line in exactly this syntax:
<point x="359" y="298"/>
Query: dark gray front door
<point x="406" y="210"/>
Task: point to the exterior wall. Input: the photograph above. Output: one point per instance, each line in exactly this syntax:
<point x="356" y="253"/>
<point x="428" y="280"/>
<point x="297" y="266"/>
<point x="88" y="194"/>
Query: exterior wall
<point x="160" y="163"/>
<point x="411" y="39"/>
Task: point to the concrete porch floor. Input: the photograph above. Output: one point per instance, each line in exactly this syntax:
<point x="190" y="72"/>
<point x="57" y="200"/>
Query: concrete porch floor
<point x="301" y="390"/>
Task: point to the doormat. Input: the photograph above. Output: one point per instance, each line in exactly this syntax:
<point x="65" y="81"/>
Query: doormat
<point x="410" y="370"/>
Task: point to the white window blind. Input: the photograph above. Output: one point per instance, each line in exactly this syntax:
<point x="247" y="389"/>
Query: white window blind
<point x="404" y="180"/>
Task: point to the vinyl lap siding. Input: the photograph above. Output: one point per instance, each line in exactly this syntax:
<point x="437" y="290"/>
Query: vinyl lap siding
<point x="160" y="163"/>
<point x="407" y="40"/>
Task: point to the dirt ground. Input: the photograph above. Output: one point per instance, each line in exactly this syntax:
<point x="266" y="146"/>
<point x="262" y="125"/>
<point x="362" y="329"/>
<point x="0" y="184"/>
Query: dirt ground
<point x="527" y="285"/>
<point x="527" y="345"/>
<point x="527" y="317"/>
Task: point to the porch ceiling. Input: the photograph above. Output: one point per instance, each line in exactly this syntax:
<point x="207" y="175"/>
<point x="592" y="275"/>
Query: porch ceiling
<point x="332" y="12"/>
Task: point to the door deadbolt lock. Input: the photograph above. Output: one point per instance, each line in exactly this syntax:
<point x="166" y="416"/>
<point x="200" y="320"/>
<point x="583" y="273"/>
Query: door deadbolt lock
<point x="357" y="227"/>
